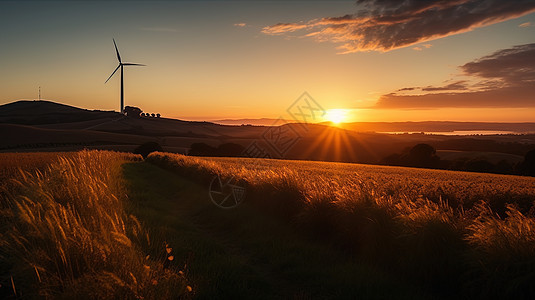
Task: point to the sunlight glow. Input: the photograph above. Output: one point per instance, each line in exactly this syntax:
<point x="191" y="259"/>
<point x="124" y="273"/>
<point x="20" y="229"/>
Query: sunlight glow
<point x="336" y="115"/>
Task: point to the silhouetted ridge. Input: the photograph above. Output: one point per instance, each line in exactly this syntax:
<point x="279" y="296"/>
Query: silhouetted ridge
<point x="40" y="112"/>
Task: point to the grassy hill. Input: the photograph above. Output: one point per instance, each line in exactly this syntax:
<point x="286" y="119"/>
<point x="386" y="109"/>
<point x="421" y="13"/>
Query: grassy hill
<point x="47" y="112"/>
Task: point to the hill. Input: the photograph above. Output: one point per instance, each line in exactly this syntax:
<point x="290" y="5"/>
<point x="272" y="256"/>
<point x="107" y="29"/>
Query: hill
<point x="437" y="127"/>
<point x="47" y="112"/>
<point x="440" y="127"/>
<point x="44" y="124"/>
<point x="50" y="126"/>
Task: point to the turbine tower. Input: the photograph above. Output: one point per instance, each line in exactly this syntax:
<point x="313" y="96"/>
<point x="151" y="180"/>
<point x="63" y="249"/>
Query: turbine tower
<point x="121" y="66"/>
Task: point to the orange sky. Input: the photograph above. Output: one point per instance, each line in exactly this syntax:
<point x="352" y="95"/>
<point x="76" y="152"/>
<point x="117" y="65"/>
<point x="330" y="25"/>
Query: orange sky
<point x="217" y="60"/>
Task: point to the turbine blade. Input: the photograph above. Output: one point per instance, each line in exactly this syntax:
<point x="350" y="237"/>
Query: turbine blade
<point x="117" y="50"/>
<point x="132" y="64"/>
<point x="113" y="73"/>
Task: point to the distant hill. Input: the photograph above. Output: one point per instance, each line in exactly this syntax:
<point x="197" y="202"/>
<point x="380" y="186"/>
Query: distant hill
<point x="253" y="122"/>
<point x="438" y="126"/>
<point x="47" y="112"/>
<point x="37" y="125"/>
<point x="49" y="126"/>
<point x="425" y="126"/>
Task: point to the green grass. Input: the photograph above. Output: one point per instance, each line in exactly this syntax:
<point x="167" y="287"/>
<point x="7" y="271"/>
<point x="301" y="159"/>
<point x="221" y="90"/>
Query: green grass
<point x="246" y="253"/>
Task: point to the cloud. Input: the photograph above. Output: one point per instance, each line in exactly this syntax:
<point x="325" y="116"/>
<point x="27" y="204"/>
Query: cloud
<point x="505" y="78"/>
<point x="240" y="24"/>
<point x="407" y="89"/>
<point x="283" y="28"/>
<point x="525" y="24"/>
<point x="459" y="85"/>
<point x="514" y="66"/>
<point x="498" y="98"/>
<point x="422" y="47"/>
<point x="383" y="25"/>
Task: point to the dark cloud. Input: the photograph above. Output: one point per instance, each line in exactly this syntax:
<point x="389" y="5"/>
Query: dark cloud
<point x="515" y="66"/>
<point x="384" y="25"/>
<point x="455" y="86"/>
<point x="503" y="97"/>
<point x="506" y="79"/>
<point x="407" y="89"/>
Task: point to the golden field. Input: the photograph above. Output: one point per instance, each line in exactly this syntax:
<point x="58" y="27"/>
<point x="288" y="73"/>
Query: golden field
<point x="68" y="230"/>
<point x="451" y="230"/>
<point x="66" y="233"/>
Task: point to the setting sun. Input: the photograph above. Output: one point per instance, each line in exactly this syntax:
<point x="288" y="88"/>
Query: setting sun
<point x="337" y="115"/>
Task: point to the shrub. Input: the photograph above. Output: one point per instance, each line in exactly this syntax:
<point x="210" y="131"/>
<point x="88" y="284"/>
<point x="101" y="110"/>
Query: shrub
<point x="147" y="148"/>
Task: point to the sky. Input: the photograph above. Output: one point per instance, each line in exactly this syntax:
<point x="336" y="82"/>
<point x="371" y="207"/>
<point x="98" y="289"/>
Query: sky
<point x="375" y="60"/>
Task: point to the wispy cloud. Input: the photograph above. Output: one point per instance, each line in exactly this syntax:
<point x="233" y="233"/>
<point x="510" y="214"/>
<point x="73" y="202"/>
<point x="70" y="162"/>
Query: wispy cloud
<point x="422" y="47"/>
<point x="455" y="86"/>
<point x="240" y="24"/>
<point x="159" y="29"/>
<point x="383" y="25"/>
<point x="505" y="78"/>
<point x="525" y="24"/>
<point x="281" y="28"/>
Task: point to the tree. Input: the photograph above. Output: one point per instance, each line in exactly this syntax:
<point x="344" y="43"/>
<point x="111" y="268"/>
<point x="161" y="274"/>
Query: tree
<point x="423" y="155"/>
<point x="158" y="115"/>
<point x="132" y="111"/>
<point x="147" y="148"/>
<point x="422" y="151"/>
<point x="153" y="115"/>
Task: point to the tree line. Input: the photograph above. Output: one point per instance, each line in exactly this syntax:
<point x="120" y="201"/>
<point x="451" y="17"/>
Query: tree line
<point x="424" y="156"/>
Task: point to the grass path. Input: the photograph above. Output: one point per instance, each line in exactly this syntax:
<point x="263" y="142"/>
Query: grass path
<point x="244" y="253"/>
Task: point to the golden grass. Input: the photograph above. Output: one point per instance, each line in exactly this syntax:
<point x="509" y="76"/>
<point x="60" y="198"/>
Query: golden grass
<point x="444" y="227"/>
<point x="66" y="233"/>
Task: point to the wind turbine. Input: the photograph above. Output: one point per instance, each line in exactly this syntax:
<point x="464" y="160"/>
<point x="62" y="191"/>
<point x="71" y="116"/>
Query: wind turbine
<point x="121" y="66"/>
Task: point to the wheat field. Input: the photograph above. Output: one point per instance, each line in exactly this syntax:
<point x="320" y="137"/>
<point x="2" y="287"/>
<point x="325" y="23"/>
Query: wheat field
<point x="66" y="233"/>
<point x="471" y="231"/>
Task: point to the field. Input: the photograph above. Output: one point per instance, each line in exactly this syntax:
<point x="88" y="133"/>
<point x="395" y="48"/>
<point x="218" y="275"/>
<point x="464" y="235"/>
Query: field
<point x="456" y="233"/>
<point x="66" y="232"/>
<point x="99" y="224"/>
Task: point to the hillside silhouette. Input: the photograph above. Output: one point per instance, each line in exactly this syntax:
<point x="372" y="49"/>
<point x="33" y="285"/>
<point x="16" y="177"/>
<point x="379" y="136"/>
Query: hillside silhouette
<point x="27" y="126"/>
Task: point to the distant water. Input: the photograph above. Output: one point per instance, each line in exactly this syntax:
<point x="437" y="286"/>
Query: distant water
<point x="460" y="132"/>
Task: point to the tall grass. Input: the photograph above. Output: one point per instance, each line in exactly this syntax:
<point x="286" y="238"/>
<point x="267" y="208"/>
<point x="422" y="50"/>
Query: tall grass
<point x="456" y="233"/>
<point x="65" y="233"/>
